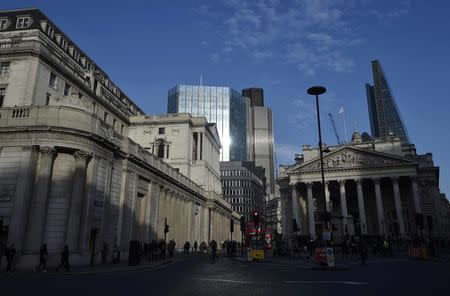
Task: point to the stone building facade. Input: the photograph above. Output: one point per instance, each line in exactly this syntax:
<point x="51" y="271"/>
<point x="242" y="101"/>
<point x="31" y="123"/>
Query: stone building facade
<point x="189" y="144"/>
<point x="69" y="173"/>
<point x="374" y="188"/>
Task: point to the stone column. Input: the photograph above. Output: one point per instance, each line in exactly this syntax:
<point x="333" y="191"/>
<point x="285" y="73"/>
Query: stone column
<point x="379" y="203"/>
<point x="328" y="205"/>
<point x="38" y="210"/>
<point x="312" y="224"/>
<point x="398" y="207"/>
<point x="77" y="199"/>
<point x="23" y="198"/>
<point x="295" y="205"/>
<point x="361" y="207"/>
<point x="416" y="195"/>
<point x="343" y="206"/>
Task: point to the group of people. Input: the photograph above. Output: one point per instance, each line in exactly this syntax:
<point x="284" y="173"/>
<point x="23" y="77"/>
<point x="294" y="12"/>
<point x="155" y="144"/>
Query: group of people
<point x="230" y="246"/>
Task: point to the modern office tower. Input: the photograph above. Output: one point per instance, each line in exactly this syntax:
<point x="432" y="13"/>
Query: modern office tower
<point x="260" y="140"/>
<point x="385" y="118"/>
<point x="256" y="96"/>
<point x="243" y="186"/>
<point x="220" y="105"/>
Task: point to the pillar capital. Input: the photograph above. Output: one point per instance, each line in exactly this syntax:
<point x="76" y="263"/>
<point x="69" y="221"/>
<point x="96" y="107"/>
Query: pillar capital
<point x="358" y="180"/>
<point x="341" y="182"/>
<point x="48" y="151"/>
<point x="81" y="155"/>
<point x="395" y="179"/>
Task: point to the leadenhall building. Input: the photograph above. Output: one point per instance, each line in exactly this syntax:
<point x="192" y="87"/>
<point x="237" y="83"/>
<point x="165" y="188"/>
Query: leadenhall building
<point x="375" y="187"/>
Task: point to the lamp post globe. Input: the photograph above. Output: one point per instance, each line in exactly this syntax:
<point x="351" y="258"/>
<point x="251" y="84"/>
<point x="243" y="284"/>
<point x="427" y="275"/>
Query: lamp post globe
<point x="316" y="90"/>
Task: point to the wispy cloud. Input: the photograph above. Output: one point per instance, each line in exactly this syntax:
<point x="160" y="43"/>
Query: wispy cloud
<point x="303" y="114"/>
<point x="310" y="34"/>
<point x="286" y="153"/>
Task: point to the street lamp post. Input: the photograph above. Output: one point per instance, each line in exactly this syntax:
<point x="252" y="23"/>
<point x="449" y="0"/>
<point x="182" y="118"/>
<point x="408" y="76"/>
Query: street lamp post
<point x="316" y="91"/>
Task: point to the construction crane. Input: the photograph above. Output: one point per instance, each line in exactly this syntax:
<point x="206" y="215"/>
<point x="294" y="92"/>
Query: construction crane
<point x="334" y="128"/>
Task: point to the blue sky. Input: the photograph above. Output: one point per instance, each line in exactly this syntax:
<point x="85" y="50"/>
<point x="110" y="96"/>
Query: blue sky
<point x="284" y="46"/>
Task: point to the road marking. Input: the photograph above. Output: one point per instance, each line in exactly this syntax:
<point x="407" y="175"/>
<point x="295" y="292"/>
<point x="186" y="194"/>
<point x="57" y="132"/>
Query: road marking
<point x="226" y="281"/>
<point x="327" y="282"/>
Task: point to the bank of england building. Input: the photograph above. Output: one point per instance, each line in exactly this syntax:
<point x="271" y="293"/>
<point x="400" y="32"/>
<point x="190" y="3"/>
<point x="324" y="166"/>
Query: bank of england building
<point x="69" y="172"/>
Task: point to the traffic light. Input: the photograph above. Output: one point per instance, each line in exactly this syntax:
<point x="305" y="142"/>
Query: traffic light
<point x="256" y="219"/>
<point x="242" y="223"/>
<point x="231" y="225"/>
<point x="166" y="228"/>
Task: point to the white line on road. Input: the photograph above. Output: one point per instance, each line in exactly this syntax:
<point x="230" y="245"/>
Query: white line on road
<point x="326" y="282"/>
<point x="226" y="281"/>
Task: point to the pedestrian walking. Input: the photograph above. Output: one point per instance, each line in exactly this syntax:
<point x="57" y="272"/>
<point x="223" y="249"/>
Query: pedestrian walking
<point x="187" y="246"/>
<point x="195" y="246"/>
<point x="105" y="253"/>
<point x="213" y="246"/>
<point x="363" y="250"/>
<point x="64" y="259"/>
<point x="2" y="251"/>
<point x="10" y="255"/>
<point x="43" y="254"/>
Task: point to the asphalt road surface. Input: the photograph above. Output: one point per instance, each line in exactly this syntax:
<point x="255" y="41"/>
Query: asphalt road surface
<point x="197" y="275"/>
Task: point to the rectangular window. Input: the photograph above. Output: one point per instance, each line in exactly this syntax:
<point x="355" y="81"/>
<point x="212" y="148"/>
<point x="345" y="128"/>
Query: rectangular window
<point x="3" y="23"/>
<point x="66" y="89"/>
<point x="105" y="117"/>
<point x="2" y="96"/>
<point x="23" y="22"/>
<point x="162" y="130"/>
<point x="47" y="99"/>
<point x="4" y="68"/>
<point x="80" y="95"/>
<point x="114" y="123"/>
<point x="52" y="81"/>
<point x="50" y="32"/>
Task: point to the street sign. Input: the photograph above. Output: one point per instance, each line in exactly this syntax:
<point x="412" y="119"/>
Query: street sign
<point x="330" y="257"/>
<point x="257" y="254"/>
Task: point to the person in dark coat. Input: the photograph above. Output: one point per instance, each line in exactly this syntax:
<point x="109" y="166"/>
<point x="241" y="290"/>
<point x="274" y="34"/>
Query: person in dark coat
<point x="10" y="254"/>
<point x="64" y="259"/>
<point x="43" y="254"/>
<point x="105" y="253"/>
<point x="195" y="246"/>
<point x="363" y="250"/>
<point x="213" y="246"/>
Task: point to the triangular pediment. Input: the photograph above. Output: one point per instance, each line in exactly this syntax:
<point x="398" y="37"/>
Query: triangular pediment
<point x="352" y="158"/>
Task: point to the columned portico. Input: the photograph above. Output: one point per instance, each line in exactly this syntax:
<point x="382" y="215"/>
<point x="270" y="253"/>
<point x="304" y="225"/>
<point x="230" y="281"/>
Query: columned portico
<point x="311" y="224"/>
<point x="398" y="206"/>
<point x="379" y="203"/>
<point x="416" y="196"/>
<point x="77" y="199"/>
<point x="343" y="200"/>
<point x="38" y="210"/>
<point x="295" y="204"/>
<point x="361" y="207"/>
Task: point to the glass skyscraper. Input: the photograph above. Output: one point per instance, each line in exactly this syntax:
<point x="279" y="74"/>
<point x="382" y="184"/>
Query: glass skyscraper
<point x="385" y="118"/>
<point x="220" y="105"/>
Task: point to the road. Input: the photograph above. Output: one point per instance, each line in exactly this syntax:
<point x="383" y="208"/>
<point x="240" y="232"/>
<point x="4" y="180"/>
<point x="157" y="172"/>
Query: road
<point x="197" y="275"/>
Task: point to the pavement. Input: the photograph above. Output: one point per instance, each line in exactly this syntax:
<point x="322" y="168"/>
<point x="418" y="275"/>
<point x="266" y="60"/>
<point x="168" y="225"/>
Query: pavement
<point x="198" y="275"/>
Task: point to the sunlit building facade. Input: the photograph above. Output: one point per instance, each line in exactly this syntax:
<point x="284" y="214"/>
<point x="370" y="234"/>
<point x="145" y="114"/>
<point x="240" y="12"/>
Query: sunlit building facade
<point x="220" y="105"/>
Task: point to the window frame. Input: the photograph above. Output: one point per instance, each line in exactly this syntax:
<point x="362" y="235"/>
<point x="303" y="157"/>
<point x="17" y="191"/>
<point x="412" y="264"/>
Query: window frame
<point x="8" y="67"/>
<point x="55" y="86"/>
<point x="3" y="24"/>
<point x="24" y="19"/>
<point x="2" y="96"/>
<point x="67" y="88"/>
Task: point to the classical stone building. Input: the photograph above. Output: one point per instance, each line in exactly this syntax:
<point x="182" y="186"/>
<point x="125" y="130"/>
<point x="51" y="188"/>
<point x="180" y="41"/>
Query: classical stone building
<point x="69" y="173"/>
<point x="373" y="187"/>
<point x="189" y="144"/>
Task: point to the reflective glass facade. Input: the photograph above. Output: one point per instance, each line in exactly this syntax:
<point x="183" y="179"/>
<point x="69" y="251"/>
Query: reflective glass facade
<point x="385" y="118"/>
<point x="220" y="105"/>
